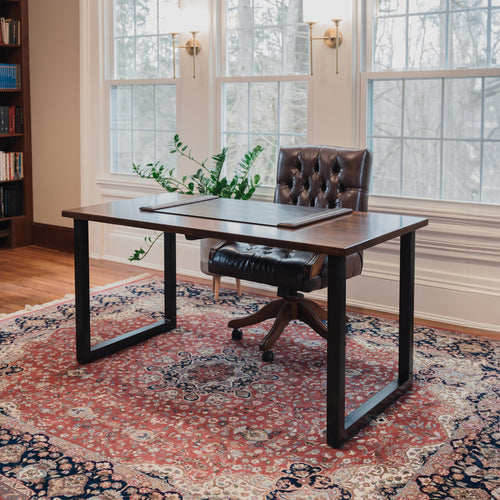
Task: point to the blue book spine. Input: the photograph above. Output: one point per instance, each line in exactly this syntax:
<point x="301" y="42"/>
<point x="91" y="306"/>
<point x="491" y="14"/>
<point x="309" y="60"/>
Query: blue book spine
<point x="10" y="76"/>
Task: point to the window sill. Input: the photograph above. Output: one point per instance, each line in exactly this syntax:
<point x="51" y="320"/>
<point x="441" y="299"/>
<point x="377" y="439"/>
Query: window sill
<point x="467" y="213"/>
<point x="126" y="186"/>
<point x="461" y="212"/>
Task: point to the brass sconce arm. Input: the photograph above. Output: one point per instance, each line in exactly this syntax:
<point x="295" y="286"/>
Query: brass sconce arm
<point x="193" y="47"/>
<point x="332" y="38"/>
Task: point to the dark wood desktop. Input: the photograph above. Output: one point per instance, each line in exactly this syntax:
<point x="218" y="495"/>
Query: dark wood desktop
<point x="337" y="237"/>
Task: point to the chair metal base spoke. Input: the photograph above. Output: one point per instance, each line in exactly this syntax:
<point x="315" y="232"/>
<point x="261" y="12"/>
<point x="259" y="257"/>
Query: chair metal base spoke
<point x="268" y="311"/>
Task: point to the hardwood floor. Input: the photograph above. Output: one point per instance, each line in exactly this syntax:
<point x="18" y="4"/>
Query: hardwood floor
<point x="34" y="275"/>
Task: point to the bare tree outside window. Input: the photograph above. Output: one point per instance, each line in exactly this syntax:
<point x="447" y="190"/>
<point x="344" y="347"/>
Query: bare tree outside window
<point x="264" y="38"/>
<point x="435" y="135"/>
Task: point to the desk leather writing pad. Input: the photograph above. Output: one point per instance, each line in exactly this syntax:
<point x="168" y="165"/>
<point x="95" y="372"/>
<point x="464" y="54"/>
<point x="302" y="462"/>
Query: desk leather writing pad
<point x="266" y="214"/>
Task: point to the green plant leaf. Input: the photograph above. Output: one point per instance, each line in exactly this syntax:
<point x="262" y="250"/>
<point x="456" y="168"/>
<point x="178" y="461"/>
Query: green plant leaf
<point x="206" y="180"/>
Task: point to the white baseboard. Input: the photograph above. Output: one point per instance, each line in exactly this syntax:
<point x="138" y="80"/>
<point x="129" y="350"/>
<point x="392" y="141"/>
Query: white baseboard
<point x="442" y="304"/>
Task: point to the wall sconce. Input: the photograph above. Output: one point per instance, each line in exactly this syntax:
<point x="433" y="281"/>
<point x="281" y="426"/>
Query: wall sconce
<point x="332" y="38"/>
<point x="193" y="47"/>
<point x="189" y="19"/>
<point x="315" y="10"/>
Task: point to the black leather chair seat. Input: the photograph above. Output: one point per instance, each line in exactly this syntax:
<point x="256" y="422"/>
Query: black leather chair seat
<point x="293" y="269"/>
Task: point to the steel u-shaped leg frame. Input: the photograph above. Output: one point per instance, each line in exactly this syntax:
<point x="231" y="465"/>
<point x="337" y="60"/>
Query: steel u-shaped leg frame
<point x="85" y="351"/>
<point x="339" y="426"/>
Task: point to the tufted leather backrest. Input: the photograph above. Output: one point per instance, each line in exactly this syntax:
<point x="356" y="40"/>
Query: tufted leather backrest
<point x="324" y="177"/>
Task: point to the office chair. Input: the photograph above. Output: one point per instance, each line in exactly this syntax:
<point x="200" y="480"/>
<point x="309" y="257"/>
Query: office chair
<point x="205" y="246"/>
<point x="316" y="176"/>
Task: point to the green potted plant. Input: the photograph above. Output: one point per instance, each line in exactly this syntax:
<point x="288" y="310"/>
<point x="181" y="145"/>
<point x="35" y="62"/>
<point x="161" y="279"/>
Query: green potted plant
<point x="208" y="179"/>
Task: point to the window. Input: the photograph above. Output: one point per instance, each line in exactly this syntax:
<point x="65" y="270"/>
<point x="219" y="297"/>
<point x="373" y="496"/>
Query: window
<point x="264" y="85"/>
<point x="142" y="94"/>
<point x="433" y="114"/>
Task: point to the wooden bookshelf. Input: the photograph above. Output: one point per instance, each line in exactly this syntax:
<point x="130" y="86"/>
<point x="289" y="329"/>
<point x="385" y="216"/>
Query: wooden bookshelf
<point x="16" y="222"/>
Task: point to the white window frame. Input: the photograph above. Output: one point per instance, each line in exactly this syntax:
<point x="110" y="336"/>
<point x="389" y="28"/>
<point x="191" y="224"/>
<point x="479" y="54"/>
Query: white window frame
<point x="468" y="212"/>
<point x="106" y="174"/>
<point x="96" y="41"/>
<point x="263" y="192"/>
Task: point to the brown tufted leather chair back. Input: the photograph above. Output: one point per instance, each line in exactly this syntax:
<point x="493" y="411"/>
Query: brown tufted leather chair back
<point x="324" y="177"/>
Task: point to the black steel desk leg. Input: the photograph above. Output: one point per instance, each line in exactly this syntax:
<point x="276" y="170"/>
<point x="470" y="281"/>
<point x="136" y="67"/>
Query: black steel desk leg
<point x="406" y="307"/>
<point x="82" y="291"/>
<point x="335" y="383"/>
<point x="340" y="428"/>
<point x="170" y="268"/>
<point x="85" y="352"/>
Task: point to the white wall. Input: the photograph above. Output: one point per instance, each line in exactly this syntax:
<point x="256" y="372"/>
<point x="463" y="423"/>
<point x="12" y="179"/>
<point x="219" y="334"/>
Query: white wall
<point x="458" y="254"/>
<point x="55" y="107"/>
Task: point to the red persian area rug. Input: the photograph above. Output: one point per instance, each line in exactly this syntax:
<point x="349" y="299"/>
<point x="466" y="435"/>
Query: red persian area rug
<point x="193" y="414"/>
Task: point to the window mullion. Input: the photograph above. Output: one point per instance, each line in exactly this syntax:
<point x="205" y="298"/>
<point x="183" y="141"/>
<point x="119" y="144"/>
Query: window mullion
<point x="407" y="30"/>
<point x="158" y="73"/>
<point x="441" y="140"/>
<point x="402" y="152"/>
<point x="278" y="97"/>
<point x="249" y="118"/>
<point x="155" y="128"/>
<point x="252" y="26"/>
<point x="135" y="38"/>
<point x="132" y="128"/>
<point x="447" y="37"/>
<point x="488" y="37"/>
<point x="481" y="147"/>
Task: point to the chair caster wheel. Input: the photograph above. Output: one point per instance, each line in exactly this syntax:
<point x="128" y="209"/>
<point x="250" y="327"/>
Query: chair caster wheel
<point x="236" y="334"/>
<point x="268" y="356"/>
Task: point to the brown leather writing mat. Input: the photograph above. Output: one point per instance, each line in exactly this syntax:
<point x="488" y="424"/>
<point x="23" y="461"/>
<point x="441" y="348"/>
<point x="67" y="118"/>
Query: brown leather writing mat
<point x="255" y="212"/>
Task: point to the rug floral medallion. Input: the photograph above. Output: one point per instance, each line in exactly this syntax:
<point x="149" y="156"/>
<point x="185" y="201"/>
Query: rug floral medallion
<point x="193" y="414"/>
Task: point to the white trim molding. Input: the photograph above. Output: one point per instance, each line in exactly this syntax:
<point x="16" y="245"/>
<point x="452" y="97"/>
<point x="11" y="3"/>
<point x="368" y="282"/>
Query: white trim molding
<point x="457" y="264"/>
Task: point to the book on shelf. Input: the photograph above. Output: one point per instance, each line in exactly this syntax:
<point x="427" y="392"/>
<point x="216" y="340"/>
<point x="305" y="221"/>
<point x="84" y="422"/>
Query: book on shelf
<point x="11" y="200"/>
<point x="10" y="31"/>
<point x="11" y="120"/>
<point x="11" y="166"/>
<point x="10" y="76"/>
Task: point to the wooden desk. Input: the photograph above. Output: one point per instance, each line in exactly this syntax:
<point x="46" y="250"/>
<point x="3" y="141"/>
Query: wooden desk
<point x="337" y="238"/>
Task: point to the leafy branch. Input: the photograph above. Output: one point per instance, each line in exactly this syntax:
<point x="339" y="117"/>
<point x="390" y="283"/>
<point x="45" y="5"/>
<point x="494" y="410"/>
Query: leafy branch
<point x="207" y="179"/>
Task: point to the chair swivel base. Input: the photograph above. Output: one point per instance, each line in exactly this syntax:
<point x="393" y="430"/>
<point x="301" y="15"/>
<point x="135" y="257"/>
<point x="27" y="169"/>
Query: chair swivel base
<point x="284" y="310"/>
